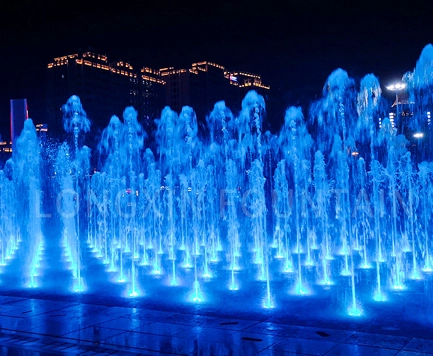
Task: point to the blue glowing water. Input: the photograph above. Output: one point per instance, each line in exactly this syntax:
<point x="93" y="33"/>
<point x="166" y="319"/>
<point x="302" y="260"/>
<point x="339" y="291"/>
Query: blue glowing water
<point x="332" y="202"/>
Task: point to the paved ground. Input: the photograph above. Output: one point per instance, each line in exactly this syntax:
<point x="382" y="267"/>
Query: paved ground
<point x="45" y="327"/>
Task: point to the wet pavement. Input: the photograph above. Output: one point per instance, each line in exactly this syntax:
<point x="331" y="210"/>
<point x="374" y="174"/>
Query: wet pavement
<point x="32" y="326"/>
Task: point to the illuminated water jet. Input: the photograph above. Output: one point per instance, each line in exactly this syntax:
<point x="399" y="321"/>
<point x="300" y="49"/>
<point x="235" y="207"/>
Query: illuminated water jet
<point x="333" y="203"/>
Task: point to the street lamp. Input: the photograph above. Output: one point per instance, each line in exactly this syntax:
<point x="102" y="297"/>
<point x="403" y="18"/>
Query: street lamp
<point x="396" y="87"/>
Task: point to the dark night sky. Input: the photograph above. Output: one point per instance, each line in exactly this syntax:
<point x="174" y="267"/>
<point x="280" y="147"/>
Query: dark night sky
<point x="294" y="46"/>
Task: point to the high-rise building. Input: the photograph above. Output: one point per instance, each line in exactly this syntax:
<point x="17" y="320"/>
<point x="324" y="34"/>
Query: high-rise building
<point x="206" y="83"/>
<point x="105" y="88"/>
<point x="249" y="81"/>
<point x="6" y="147"/>
<point x="151" y="95"/>
<point x="5" y="152"/>
<point x="41" y="131"/>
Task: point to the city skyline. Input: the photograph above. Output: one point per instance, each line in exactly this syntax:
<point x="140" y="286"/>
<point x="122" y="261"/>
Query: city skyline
<point x="294" y="47"/>
<point x="140" y="74"/>
<point x="107" y="87"/>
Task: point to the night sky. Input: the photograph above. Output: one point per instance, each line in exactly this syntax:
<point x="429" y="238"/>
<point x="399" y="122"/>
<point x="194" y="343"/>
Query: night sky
<point x="294" y="46"/>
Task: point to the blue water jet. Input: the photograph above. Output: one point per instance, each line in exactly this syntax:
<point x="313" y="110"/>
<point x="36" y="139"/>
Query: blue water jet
<point x="336" y="202"/>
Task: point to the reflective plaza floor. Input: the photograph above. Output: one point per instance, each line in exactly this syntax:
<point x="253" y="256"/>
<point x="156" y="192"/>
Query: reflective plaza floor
<point x="38" y="325"/>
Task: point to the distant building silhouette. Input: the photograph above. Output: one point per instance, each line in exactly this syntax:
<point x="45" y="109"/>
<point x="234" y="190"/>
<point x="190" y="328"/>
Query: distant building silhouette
<point x="41" y="131"/>
<point x="5" y="151"/>
<point x="151" y="96"/>
<point x="105" y="88"/>
<point x="206" y="83"/>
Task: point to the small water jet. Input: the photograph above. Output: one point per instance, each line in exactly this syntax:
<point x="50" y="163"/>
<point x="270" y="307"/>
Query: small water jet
<point x="332" y="203"/>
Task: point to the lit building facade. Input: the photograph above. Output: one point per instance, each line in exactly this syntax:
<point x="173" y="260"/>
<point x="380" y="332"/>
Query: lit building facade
<point x="5" y="152"/>
<point x="249" y="81"/>
<point x="105" y="88"/>
<point x="6" y="147"/>
<point x="151" y="98"/>
<point x="42" y="131"/>
<point x="206" y="83"/>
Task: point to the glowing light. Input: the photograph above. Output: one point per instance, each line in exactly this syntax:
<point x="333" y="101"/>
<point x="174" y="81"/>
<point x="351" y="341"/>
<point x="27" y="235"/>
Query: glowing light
<point x="144" y="262"/>
<point x="298" y="249"/>
<point x="379" y="297"/>
<point x="197" y="297"/>
<point x="261" y="277"/>
<point x="236" y="267"/>
<point x="268" y="304"/>
<point x="418" y="135"/>
<point x="157" y="271"/>
<point x="288" y="268"/>
<point x="354" y="311"/>
<point x="326" y="282"/>
<point x="79" y="286"/>
<point x="345" y="272"/>
<point x="365" y="265"/>
<point x="396" y="86"/>
<point x="300" y="289"/>
<point x="32" y="284"/>
<point x="233" y="286"/>
<point x="344" y="251"/>
<point x="309" y="262"/>
<point x="416" y="275"/>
